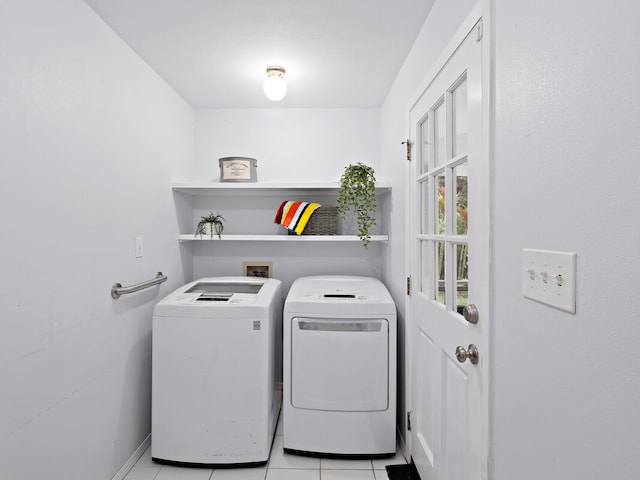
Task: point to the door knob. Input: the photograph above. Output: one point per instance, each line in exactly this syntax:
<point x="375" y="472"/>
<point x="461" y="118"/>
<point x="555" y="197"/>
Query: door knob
<point x="470" y="313"/>
<point x="471" y="353"/>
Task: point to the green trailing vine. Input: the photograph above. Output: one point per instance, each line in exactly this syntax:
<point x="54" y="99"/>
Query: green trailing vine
<point x="358" y="194"/>
<point x="215" y="220"/>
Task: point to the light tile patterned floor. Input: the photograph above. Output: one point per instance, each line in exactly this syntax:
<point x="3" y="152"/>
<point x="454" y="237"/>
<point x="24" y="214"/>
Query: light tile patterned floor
<point x="281" y="466"/>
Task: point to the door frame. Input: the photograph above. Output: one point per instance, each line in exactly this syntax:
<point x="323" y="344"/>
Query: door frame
<point x="482" y="10"/>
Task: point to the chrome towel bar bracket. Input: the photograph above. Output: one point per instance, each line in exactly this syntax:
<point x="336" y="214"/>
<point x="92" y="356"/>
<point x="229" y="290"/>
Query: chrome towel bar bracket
<point x="117" y="289"/>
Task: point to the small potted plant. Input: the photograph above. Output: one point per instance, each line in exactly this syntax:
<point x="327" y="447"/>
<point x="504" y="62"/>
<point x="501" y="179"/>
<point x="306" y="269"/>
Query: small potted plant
<point x="358" y="193"/>
<point x="210" y="225"/>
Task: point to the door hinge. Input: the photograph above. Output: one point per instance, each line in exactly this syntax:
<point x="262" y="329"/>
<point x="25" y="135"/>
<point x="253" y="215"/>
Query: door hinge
<point x="408" y="285"/>
<point x="407" y="142"/>
<point x="408" y="421"/>
<point x="479" y="31"/>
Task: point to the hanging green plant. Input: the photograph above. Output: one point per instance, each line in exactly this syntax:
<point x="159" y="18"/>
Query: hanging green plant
<point x="210" y="225"/>
<point x="358" y="194"/>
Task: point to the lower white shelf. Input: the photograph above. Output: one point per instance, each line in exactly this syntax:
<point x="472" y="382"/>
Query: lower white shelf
<point x="279" y="238"/>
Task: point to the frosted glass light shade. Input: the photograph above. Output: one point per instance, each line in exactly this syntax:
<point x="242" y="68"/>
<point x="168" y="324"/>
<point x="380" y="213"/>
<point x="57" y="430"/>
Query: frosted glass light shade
<point x="275" y="87"/>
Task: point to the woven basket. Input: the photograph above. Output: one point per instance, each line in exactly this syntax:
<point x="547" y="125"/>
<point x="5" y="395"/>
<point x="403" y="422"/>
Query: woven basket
<point x="324" y="221"/>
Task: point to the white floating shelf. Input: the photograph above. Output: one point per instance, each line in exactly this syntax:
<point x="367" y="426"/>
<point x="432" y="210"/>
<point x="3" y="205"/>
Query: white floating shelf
<point x="280" y="238"/>
<point x="257" y="188"/>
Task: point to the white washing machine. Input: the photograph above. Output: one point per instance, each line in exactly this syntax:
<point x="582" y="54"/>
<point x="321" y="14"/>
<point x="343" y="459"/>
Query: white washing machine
<point x="339" y="357"/>
<point x="216" y="372"/>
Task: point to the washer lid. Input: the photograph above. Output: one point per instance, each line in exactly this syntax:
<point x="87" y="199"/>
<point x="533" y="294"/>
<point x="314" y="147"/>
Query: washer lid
<point x="212" y="286"/>
<point x="221" y="291"/>
<point x="212" y="291"/>
<point x="229" y="293"/>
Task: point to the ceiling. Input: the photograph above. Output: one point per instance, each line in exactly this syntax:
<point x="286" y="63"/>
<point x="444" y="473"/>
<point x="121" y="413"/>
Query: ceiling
<point x="214" y="53"/>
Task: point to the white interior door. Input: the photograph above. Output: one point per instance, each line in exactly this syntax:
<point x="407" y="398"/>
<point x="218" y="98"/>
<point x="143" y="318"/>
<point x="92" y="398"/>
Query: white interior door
<point x="450" y="269"/>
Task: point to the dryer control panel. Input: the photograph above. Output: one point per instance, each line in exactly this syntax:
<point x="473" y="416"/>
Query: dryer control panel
<point x="353" y="297"/>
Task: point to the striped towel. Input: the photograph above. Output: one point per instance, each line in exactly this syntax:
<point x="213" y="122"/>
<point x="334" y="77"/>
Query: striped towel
<point x="295" y="215"/>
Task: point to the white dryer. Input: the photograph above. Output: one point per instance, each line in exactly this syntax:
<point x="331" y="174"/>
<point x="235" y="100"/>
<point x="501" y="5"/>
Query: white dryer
<point x="339" y="358"/>
<point x="216" y="372"/>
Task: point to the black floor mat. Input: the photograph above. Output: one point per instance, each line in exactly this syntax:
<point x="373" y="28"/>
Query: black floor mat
<point x="402" y="472"/>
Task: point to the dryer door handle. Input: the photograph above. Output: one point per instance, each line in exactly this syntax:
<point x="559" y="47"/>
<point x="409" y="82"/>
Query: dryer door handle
<point x="341" y="325"/>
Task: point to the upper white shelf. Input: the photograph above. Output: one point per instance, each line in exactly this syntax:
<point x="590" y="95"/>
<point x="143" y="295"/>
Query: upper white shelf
<point x="258" y="188"/>
<point x="189" y="237"/>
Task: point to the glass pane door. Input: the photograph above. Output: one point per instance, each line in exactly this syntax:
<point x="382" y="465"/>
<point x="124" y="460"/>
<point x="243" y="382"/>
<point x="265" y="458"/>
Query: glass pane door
<point x="444" y="206"/>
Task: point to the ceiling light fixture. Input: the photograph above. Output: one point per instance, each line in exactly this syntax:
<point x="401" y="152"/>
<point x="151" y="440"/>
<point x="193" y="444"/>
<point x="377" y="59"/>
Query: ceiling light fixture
<point x="275" y="88"/>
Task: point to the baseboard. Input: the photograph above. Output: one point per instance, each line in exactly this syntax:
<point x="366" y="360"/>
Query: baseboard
<point x="128" y="465"/>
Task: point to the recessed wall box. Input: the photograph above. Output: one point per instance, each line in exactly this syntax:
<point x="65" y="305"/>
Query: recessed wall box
<point x="257" y="269"/>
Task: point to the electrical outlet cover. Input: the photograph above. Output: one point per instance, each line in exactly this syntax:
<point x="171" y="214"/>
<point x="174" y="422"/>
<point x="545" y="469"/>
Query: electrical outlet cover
<point x="139" y="247"/>
<point x="550" y="277"/>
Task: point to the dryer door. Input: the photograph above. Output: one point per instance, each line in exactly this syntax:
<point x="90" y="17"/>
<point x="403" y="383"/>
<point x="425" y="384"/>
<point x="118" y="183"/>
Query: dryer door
<point x="340" y="364"/>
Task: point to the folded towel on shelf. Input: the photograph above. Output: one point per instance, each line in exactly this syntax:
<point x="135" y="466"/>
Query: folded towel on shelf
<point x="295" y="215"/>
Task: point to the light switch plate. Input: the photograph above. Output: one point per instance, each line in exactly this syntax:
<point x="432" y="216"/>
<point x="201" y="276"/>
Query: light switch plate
<point x="139" y="247"/>
<point x="550" y="277"/>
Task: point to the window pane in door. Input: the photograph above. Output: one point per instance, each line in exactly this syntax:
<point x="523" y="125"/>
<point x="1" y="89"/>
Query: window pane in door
<point x="425" y="268"/>
<point x="439" y="274"/>
<point x="440" y="204"/>
<point x="459" y="100"/>
<point x="424" y="194"/>
<point x="439" y="134"/>
<point x="424" y="146"/>
<point x="462" y="214"/>
<point x="462" y="276"/>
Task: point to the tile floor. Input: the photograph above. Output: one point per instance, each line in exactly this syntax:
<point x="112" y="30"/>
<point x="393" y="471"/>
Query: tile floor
<point x="281" y="466"/>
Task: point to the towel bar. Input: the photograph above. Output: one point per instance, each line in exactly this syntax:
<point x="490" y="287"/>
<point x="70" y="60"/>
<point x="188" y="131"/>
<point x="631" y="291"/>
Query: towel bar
<point x="117" y="289"/>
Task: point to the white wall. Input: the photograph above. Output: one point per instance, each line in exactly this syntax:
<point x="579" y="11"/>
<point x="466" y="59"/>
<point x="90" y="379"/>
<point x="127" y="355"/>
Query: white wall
<point x="291" y="145"/>
<point x="567" y="387"/>
<point x="90" y="140"/>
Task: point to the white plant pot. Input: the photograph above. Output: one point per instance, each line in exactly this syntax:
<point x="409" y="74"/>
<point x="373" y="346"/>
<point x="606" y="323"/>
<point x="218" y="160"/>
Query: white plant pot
<point x="210" y="230"/>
